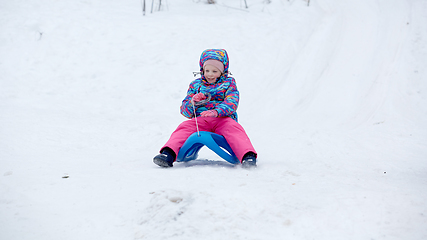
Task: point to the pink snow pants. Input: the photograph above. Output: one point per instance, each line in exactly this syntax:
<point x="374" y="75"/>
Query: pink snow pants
<point x="232" y="131"/>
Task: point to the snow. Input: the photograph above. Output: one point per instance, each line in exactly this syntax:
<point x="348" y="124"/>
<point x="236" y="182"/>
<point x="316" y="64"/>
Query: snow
<point x="333" y="97"/>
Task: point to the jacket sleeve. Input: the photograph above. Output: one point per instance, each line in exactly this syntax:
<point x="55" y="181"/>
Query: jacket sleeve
<point x="186" y="106"/>
<point x="229" y="106"/>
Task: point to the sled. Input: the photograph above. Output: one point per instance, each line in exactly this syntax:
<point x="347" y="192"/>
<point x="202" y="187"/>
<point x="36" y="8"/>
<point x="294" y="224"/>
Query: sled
<point x="215" y="142"/>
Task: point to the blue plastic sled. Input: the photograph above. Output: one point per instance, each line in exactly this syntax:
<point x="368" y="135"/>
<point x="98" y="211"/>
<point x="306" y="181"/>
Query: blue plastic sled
<point x="213" y="141"/>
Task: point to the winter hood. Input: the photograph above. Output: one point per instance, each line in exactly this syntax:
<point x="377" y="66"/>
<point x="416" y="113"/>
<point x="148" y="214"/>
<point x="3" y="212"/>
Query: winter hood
<point x="217" y="54"/>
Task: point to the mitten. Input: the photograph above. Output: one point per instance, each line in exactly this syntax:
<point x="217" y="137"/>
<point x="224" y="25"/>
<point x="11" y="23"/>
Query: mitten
<point x="209" y="113"/>
<point x="198" y="97"/>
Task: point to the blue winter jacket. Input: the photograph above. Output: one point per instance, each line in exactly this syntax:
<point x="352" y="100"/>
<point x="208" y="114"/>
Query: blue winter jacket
<point x="224" y="93"/>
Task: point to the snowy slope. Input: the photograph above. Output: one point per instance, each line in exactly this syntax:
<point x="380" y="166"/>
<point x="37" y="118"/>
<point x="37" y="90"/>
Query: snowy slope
<point x="333" y="96"/>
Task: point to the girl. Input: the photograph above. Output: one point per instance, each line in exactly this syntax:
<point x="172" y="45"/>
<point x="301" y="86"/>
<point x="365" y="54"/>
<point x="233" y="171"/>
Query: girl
<point x="218" y="115"/>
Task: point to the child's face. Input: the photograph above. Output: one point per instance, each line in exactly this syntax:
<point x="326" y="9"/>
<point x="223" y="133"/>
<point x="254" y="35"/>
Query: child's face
<point x="211" y="73"/>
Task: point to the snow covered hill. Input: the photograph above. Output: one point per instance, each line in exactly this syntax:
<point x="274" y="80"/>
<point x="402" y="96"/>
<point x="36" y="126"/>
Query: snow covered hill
<point x="333" y="97"/>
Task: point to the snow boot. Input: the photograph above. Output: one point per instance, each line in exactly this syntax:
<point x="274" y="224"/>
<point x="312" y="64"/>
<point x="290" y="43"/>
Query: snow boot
<point x="249" y="160"/>
<point x="165" y="158"/>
